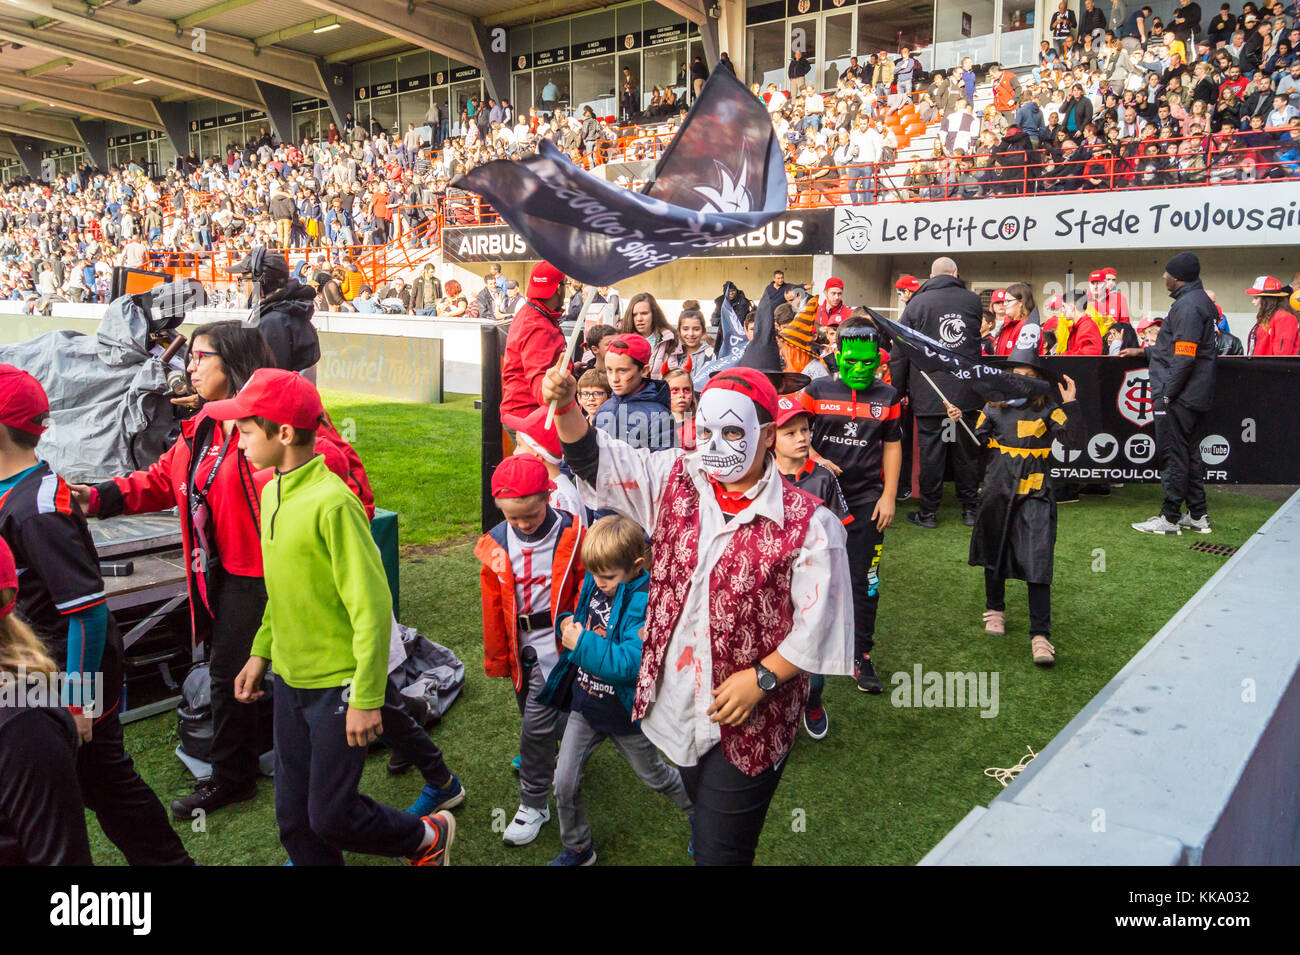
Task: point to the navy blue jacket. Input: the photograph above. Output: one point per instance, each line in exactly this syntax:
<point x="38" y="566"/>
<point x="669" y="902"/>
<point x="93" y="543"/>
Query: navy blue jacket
<point x="614" y="658"/>
<point x="642" y="419"/>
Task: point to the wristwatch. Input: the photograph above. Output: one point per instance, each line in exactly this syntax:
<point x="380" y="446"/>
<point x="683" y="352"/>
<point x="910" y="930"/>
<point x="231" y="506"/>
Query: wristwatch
<point x="766" y="678"/>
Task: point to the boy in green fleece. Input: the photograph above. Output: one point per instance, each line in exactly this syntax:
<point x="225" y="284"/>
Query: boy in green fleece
<point x="326" y="630"/>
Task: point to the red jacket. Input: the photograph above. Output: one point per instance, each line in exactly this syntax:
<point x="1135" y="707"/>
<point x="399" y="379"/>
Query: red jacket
<point x="1006" y="339"/>
<point x="1084" y="339"/>
<point x="1278" y="339"/>
<point x="235" y="498"/>
<point x="532" y="347"/>
<point x="832" y="316"/>
<point x="497" y="586"/>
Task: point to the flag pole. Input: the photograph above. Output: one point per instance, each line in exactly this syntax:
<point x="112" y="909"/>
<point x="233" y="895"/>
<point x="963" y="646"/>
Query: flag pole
<point x="567" y="355"/>
<point x="949" y="403"/>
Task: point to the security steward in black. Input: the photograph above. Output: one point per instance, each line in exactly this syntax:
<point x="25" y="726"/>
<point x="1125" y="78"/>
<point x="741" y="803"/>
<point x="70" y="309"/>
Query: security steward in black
<point x="947" y="311"/>
<point x="1182" y="386"/>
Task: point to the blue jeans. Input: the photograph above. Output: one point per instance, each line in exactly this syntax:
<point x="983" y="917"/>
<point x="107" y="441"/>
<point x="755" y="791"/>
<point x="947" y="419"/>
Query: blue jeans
<point x="862" y="186"/>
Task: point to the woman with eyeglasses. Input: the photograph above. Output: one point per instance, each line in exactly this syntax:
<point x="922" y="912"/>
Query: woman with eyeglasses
<point x="217" y="492"/>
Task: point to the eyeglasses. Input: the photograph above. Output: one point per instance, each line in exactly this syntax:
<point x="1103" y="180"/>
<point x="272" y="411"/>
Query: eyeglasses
<point x="196" y="356"/>
<point x="589" y="395"/>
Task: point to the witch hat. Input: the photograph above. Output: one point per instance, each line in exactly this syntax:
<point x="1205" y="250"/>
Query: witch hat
<point x="762" y="353"/>
<point x="1028" y="343"/>
<point x="731" y="343"/>
<point x="801" y="331"/>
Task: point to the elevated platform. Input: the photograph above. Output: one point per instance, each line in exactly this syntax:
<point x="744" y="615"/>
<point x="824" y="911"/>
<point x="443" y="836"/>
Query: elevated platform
<point x="1189" y="756"/>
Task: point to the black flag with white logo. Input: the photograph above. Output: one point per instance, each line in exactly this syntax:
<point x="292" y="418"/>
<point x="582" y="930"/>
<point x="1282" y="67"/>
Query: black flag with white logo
<point x="721" y="176"/>
<point x="991" y="382"/>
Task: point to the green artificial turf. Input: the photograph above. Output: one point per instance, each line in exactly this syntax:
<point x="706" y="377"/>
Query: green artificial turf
<point x="883" y="787"/>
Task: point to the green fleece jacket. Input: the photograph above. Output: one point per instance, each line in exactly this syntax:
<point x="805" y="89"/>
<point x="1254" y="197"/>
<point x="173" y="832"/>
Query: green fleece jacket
<point x="328" y="611"/>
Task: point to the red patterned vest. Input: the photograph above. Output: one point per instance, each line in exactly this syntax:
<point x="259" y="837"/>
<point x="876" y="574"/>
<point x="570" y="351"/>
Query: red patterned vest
<point x="750" y="611"/>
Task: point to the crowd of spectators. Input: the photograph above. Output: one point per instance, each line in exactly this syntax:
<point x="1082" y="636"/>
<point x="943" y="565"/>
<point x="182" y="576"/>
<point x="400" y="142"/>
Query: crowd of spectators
<point x="1141" y="104"/>
<point x="1132" y="103"/>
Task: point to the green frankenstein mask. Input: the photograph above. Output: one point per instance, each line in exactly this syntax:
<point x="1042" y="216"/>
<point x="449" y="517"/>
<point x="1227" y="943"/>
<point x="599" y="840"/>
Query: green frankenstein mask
<point x="858" y="356"/>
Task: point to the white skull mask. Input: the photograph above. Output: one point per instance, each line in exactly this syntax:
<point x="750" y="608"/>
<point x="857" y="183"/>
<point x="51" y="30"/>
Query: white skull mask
<point x="727" y="433"/>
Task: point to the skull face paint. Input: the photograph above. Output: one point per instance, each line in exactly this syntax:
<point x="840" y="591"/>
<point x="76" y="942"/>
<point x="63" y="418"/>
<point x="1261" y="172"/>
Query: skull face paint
<point x="726" y="434"/>
<point x="858" y="357"/>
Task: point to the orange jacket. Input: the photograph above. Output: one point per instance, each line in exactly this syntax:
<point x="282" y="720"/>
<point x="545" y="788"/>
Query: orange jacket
<point x="1004" y="95"/>
<point x="497" y="584"/>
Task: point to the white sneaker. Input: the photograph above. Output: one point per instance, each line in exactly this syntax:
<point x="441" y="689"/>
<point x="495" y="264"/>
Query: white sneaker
<point x="1157" y="525"/>
<point x="524" y="828"/>
<point x="1201" y="524"/>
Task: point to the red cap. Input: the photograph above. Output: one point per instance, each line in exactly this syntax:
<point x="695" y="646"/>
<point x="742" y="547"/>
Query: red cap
<point x="23" y="404"/>
<point x="907" y="283"/>
<point x="1097" y="276"/>
<point x="751" y="383"/>
<point x="1148" y="322"/>
<point x="521" y="476"/>
<point x="787" y="409"/>
<point x="1109" y="273"/>
<point x="534" y="427"/>
<point x="833" y="282"/>
<point x="1056" y="302"/>
<point x="631" y="344"/>
<point x="8" y="577"/>
<point x="999" y="295"/>
<point x="284" y="397"/>
<point x="1051" y="323"/>
<point x="1266" y="285"/>
<point x="544" y="280"/>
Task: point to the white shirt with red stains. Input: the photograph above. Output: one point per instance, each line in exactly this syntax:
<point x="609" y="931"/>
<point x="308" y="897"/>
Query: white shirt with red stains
<point x="631" y="481"/>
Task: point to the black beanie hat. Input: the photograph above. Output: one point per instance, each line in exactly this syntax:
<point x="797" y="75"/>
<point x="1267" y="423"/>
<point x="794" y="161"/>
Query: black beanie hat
<point x="1185" y="267"/>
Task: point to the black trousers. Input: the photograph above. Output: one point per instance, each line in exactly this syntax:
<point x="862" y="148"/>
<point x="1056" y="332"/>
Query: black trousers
<point x="1179" y="432"/>
<point x="318" y="806"/>
<point x="407" y="737"/>
<point x="1040" y="602"/>
<point x="730" y="808"/>
<point x="127" y="809"/>
<point x="864" y="546"/>
<point x="237" y="732"/>
<point x="905" y="470"/>
<point x="934" y="451"/>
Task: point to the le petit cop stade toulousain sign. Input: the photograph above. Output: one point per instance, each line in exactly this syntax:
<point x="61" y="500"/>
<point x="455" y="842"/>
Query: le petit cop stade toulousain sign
<point x="1235" y="215"/>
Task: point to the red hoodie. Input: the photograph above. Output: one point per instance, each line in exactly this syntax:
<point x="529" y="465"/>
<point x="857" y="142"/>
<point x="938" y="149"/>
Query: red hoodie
<point x="532" y="347"/>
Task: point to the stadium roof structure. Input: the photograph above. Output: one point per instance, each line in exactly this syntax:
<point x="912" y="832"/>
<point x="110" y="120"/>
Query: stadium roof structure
<point x="68" y="63"/>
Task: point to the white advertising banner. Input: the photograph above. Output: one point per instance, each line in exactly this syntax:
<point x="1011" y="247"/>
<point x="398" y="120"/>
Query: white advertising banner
<point x="1246" y="214"/>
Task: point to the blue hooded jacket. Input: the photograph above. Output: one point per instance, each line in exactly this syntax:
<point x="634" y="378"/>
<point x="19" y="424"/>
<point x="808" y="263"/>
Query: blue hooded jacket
<point x="643" y="419"/>
<point x="614" y="658"/>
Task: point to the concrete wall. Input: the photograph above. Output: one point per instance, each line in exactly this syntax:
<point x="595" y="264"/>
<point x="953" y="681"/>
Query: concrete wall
<point x="460" y="338"/>
<point x="870" y="278"/>
<point x="1189" y="756"/>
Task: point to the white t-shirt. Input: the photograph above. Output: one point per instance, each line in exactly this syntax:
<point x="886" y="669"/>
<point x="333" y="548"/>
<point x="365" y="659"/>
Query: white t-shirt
<point x="531" y="563"/>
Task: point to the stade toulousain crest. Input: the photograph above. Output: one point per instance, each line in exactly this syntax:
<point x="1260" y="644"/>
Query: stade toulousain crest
<point x="1134" y="398"/>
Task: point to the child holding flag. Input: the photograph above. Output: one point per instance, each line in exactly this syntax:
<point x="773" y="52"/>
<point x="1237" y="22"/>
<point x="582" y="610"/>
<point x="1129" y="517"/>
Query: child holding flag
<point x="1015" y="527"/>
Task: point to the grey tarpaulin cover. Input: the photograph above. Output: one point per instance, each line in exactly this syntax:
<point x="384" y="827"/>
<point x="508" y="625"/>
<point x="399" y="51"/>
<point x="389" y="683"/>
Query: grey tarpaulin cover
<point x="430" y="672"/>
<point x="110" y="412"/>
